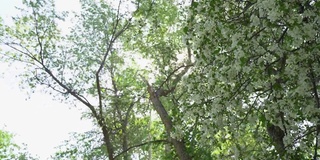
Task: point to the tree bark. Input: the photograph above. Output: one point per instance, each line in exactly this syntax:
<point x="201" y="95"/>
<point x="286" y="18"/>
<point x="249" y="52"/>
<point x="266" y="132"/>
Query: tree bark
<point x="106" y="139"/>
<point x="277" y="134"/>
<point x="125" y="141"/>
<point x="179" y="145"/>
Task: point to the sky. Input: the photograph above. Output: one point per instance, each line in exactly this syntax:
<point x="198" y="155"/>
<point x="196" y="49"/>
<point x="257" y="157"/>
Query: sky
<point x="38" y="121"/>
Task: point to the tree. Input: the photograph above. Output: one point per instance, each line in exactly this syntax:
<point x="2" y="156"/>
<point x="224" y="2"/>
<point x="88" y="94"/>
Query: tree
<point x="85" y="66"/>
<point x="227" y="79"/>
<point x="10" y="150"/>
<point x="257" y="70"/>
<point x="171" y="60"/>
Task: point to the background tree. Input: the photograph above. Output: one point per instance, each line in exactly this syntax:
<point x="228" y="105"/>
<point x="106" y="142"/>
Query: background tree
<point x="158" y="38"/>
<point x="89" y="53"/>
<point x="82" y="146"/>
<point x="10" y="150"/>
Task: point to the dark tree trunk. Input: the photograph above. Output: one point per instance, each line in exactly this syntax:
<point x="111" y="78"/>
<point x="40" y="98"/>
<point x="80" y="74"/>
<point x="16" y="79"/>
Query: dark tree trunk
<point x="179" y="145"/>
<point x="107" y="141"/>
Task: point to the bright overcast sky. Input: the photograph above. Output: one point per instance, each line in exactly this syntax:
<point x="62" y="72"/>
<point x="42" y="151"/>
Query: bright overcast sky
<point x="39" y="122"/>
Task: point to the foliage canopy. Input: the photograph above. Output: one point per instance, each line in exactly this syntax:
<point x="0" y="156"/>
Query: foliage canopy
<point x="222" y="79"/>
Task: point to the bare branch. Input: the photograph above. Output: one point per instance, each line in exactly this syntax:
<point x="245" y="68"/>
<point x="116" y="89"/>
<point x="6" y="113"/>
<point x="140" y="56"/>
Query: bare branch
<point x="25" y="53"/>
<point x="115" y="90"/>
<point x="114" y="37"/>
<point x="175" y="81"/>
<point x="19" y="60"/>
<point x="99" y="95"/>
<point x="115" y="26"/>
<point x="130" y="108"/>
<point x="102" y="64"/>
<point x="69" y="90"/>
<point x="282" y="35"/>
<point x="256" y="33"/>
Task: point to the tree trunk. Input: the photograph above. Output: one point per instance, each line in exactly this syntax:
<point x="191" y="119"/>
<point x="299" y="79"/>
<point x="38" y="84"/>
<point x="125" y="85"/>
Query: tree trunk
<point x="277" y="134"/>
<point x="125" y="141"/>
<point x="107" y="141"/>
<point x="179" y="145"/>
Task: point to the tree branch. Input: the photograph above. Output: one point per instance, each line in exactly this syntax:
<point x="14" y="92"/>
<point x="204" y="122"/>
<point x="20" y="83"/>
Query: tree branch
<point x="316" y="96"/>
<point x="102" y="64"/>
<point x="139" y="145"/>
<point x="38" y="36"/>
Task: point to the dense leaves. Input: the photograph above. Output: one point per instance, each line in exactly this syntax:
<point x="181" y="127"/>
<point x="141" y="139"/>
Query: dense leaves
<point x="260" y="61"/>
